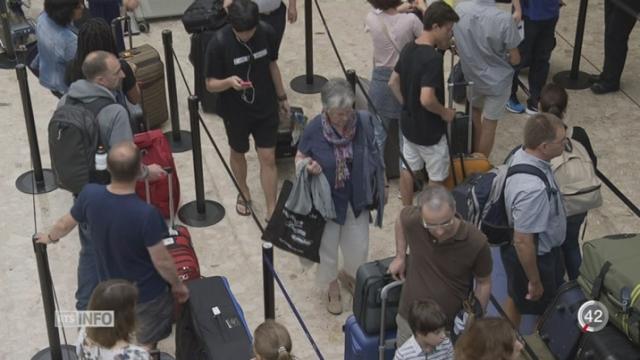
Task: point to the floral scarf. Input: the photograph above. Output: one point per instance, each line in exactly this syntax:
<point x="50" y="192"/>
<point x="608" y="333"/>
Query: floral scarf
<point x="342" y="147"/>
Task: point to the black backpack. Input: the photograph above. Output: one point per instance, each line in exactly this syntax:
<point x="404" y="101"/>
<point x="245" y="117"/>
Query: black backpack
<point x="204" y="15"/>
<point x="74" y="137"/>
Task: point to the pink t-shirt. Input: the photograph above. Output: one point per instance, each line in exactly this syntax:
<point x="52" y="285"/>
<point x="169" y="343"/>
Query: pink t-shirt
<point x="402" y="28"/>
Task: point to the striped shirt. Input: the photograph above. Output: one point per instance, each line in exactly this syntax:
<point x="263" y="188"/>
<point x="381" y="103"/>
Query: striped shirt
<point x="411" y="350"/>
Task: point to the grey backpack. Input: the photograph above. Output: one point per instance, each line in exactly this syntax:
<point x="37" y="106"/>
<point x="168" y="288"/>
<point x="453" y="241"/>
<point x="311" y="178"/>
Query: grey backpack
<point x="74" y="137"/>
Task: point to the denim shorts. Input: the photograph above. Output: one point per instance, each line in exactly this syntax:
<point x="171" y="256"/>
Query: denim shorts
<point x="154" y="319"/>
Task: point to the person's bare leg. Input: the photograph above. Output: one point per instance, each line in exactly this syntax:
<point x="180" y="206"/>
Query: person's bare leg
<point x="512" y="312"/>
<point x="268" y="177"/>
<point x="406" y="187"/>
<point x="488" y="136"/>
<point x="239" y="168"/>
<point x="477" y="128"/>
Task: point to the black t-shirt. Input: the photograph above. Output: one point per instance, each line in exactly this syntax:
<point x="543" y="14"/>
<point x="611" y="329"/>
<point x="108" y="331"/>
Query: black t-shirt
<point x="227" y="56"/>
<point x="420" y="66"/>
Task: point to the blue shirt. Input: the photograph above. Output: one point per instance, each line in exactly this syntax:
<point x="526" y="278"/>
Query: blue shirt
<point x="313" y="144"/>
<point x="57" y="46"/>
<point x="530" y="207"/>
<point x="122" y="228"/>
<point x="539" y="10"/>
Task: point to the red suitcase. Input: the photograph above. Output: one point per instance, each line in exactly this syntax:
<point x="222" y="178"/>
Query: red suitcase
<point x="179" y="244"/>
<point x="180" y="247"/>
<point x="156" y="150"/>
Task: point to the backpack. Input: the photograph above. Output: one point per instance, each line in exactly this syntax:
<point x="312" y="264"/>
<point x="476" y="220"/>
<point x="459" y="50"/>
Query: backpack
<point x="480" y="200"/>
<point x="204" y="15"/>
<point x="576" y="177"/>
<point x="74" y="137"/>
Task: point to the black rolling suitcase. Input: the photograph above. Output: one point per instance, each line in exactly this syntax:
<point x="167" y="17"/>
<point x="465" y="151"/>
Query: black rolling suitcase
<point x="212" y="325"/>
<point x="367" y="304"/>
<point x="460" y="130"/>
<point x="559" y="327"/>
<point x="607" y="344"/>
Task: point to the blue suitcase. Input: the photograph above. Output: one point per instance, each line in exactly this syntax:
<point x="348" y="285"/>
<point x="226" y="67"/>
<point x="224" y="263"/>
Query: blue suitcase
<point x="359" y="345"/>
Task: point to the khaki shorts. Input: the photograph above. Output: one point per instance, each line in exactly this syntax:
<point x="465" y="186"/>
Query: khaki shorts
<point x="434" y="157"/>
<point x="493" y="106"/>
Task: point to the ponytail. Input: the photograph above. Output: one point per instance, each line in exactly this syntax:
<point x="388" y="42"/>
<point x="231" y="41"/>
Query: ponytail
<point x="284" y="354"/>
<point x="554" y="100"/>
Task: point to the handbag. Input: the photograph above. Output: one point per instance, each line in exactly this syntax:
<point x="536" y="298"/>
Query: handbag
<point x="299" y="234"/>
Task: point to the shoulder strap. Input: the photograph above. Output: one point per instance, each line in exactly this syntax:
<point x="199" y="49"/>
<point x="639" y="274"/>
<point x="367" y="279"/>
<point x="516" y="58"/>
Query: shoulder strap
<point x="531" y="170"/>
<point x="94" y="107"/>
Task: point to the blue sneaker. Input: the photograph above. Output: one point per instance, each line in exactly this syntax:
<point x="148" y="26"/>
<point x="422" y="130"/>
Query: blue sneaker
<point x="514" y="106"/>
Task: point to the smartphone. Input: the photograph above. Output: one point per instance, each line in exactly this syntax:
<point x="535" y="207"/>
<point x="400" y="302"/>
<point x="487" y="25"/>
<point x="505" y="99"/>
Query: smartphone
<point x="246" y="84"/>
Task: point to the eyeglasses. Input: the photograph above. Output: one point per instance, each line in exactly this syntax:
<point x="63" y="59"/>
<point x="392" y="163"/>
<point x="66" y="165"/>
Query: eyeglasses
<point x="561" y="142"/>
<point x="436" y="226"/>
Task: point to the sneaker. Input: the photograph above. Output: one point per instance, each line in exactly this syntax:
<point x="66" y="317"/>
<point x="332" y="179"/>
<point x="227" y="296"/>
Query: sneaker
<point x="531" y="109"/>
<point x="514" y="106"/>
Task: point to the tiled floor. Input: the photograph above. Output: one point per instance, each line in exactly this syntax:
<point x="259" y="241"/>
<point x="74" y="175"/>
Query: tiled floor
<point x="232" y="247"/>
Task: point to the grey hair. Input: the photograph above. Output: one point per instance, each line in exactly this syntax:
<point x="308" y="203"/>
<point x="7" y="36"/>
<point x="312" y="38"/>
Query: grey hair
<point x="337" y="94"/>
<point x="435" y="196"/>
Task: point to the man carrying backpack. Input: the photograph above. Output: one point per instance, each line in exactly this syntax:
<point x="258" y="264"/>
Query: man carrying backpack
<point x="533" y="263"/>
<point x="90" y="104"/>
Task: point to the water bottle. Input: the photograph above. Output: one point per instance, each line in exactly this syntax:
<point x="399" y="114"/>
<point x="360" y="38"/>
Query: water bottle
<point x="102" y="175"/>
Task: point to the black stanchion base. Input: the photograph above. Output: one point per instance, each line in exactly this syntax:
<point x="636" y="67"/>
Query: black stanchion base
<point x="188" y="214"/>
<point x="179" y="146"/>
<point x="299" y="84"/>
<point x="68" y="353"/>
<point x="563" y="78"/>
<point x="26" y="181"/>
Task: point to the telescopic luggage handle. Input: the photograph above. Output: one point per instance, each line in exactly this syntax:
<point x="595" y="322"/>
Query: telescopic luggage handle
<point x="384" y="294"/>
<point x="172" y="217"/>
<point x="127" y="21"/>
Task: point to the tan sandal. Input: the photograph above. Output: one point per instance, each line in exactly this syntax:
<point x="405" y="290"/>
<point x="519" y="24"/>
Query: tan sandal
<point x="334" y="304"/>
<point x="347" y="281"/>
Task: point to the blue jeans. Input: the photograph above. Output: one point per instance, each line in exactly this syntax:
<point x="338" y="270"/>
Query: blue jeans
<point x="87" y="268"/>
<point x="571" y="245"/>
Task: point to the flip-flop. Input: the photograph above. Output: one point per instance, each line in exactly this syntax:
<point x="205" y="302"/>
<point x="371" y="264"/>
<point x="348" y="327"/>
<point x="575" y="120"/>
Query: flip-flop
<point x="246" y="205"/>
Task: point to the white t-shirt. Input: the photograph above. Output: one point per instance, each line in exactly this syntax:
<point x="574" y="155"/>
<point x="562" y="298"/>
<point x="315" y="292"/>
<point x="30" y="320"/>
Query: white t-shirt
<point x="88" y="350"/>
<point x="401" y="28"/>
<point x="267" y="6"/>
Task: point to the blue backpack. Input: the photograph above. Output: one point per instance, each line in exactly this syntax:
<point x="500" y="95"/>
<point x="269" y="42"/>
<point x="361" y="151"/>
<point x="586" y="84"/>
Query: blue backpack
<point x="480" y="200"/>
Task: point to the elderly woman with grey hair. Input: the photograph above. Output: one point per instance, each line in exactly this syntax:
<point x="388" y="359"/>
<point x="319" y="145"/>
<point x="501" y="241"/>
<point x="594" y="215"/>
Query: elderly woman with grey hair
<point x="342" y="147"/>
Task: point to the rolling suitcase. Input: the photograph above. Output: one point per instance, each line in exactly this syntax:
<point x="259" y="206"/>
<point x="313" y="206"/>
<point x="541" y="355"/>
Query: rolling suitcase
<point x="607" y="344"/>
<point x="212" y="325"/>
<point x="559" y="327"/>
<point x="285" y="144"/>
<point x="149" y="71"/>
<point x="179" y="243"/>
<point x="465" y="165"/>
<point x="609" y="273"/>
<point x="371" y="277"/>
<point x="361" y="345"/>
<point x="155" y="149"/>
<point x="460" y="130"/>
<point x="392" y="150"/>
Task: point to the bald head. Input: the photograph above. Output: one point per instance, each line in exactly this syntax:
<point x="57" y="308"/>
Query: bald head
<point x="96" y="64"/>
<point x="123" y="162"/>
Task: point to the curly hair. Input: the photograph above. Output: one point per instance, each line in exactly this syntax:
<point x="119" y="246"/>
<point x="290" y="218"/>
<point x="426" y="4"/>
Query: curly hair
<point x="61" y="11"/>
<point x="488" y="338"/>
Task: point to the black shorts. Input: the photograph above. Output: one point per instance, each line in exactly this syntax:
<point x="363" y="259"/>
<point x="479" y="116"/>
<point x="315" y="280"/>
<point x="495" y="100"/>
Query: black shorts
<point x="264" y="131"/>
<point x="551" y="269"/>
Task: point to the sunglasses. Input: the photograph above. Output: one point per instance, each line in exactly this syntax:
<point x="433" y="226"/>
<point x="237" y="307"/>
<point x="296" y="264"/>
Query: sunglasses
<point x="436" y="226"/>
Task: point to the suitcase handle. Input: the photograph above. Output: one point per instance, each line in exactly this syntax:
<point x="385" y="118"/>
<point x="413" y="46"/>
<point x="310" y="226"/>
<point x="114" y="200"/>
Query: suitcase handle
<point x="384" y="295"/>
<point x="172" y="219"/>
<point x="127" y="21"/>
